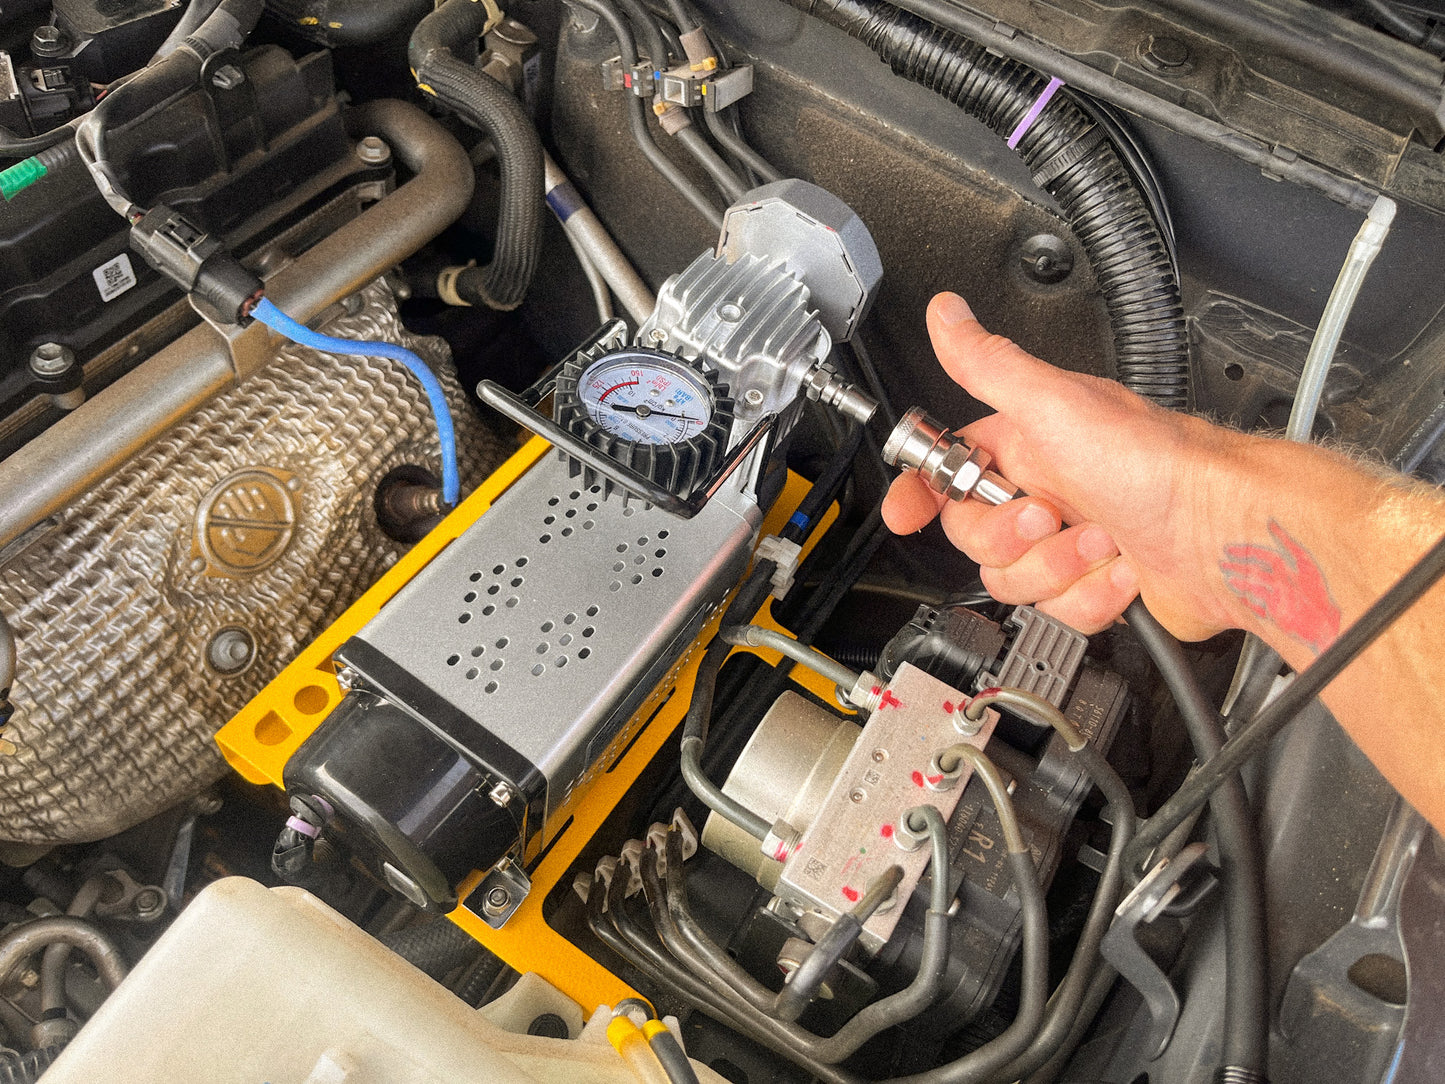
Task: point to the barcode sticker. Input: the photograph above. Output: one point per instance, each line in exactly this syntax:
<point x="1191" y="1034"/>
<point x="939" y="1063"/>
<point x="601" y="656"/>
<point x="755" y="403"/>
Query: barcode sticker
<point x="114" y="277"/>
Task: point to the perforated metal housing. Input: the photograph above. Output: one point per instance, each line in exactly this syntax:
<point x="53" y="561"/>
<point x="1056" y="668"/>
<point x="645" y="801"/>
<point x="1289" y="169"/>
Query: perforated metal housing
<point x="533" y="637"/>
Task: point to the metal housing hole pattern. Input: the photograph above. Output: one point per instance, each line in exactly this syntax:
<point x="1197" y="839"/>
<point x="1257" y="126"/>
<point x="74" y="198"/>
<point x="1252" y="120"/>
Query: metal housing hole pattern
<point x="644" y="561"/>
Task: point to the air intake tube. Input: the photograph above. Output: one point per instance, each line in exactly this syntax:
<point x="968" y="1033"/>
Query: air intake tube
<point x="486" y="105"/>
<point x="1071" y="159"/>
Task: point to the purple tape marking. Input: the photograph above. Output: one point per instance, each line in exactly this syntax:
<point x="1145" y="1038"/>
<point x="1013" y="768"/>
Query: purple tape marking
<point x="303" y="827"/>
<point x="1034" y="110"/>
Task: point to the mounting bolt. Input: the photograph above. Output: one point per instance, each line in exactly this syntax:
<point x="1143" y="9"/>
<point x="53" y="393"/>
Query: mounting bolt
<point x="753" y="397"/>
<point x="1046" y="258"/>
<point x="345" y="678"/>
<point x="502" y="794"/>
<point x="373" y="151"/>
<point x="230" y="651"/>
<point x="149" y="903"/>
<point x="1161" y="53"/>
<point x="49" y="41"/>
<point x="227" y="77"/>
<point x="497" y="901"/>
<point x="50" y="360"/>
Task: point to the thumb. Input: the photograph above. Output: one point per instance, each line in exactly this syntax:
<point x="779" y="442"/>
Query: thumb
<point x="989" y="367"/>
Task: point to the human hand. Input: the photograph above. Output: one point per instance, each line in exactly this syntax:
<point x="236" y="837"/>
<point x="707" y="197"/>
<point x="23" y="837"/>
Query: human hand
<point x="1140" y="489"/>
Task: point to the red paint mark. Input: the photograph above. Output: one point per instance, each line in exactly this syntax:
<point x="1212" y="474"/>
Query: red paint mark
<point x="627" y="80"/>
<point x="1284" y="585"/>
<point x="781" y="852"/>
<point x="917" y="779"/>
<point x="886" y="831"/>
<point x="935" y="779"/>
<point x="850" y="894"/>
<point x="948" y="706"/>
<point x="889" y="701"/>
<point x="992" y="690"/>
<point x="625" y="384"/>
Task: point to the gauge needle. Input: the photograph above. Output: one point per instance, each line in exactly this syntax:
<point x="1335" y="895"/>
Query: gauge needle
<point x="642" y="410"/>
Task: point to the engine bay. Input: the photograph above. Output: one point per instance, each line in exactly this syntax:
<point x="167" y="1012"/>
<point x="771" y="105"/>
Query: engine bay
<point x="451" y="629"/>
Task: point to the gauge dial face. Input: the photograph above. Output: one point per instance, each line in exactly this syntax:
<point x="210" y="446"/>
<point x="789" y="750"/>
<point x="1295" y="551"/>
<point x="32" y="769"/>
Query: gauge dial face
<point x="646" y="397"/>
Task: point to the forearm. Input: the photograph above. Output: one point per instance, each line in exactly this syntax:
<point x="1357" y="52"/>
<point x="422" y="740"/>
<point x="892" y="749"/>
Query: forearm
<point x="1311" y="541"/>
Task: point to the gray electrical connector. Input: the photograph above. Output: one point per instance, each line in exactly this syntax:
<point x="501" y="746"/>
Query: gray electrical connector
<point x="197" y="262"/>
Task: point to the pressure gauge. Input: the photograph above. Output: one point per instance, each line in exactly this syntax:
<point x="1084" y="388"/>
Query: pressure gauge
<point x="647" y="397"/>
<point x="660" y="414"/>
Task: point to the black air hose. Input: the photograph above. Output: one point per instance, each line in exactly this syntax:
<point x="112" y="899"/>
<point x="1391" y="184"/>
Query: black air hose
<point x="436" y="948"/>
<point x="1071" y="160"/>
<point x="349" y="22"/>
<point x="488" y="106"/>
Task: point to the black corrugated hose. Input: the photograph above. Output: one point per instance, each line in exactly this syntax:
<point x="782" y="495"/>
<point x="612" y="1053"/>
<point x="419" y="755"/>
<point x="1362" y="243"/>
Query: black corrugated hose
<point x="488" y="106"/>
<point x="436" y="947"/>
<point x="1072" y="160"/>
<point x="28" y="1067"/>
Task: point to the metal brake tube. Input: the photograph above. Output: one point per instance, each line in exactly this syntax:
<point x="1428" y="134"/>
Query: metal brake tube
<point x="93" y="440"/>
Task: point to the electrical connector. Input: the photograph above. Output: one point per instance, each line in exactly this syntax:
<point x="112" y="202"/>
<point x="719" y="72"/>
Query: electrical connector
<point x="197" y="262"/>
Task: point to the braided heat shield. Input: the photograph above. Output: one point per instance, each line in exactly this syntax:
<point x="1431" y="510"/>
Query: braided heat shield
<point x="254" y="513"/>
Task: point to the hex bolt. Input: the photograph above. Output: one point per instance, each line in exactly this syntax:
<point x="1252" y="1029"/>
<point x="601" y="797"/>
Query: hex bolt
<point x="502" y="794"/>
<point x="149" y="902"/>
<point x="1046" y="258"/>
<point x="373" y="151"/>
<point x="230" y="651"/>
<point x="497" y="901"/>
<point x="227" y="77"/>
<point x="49" y="42"/>
<point x="1161" y="53"/>
<point x="50" y="360"/>
<point x="753" y="397"/>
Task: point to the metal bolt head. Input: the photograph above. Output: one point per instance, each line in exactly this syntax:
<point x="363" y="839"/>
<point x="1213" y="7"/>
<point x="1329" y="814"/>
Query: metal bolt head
<point x="1046" y="258"/>
<point x="227" y="77"/>
<point x="230" y="651"/>
<point x="51" y="360"/>
<point x="857" y="795"/>
<point x="49" y="41"/>
<point x="345" y="678"/>
<point x="149" y="903"/>
<point x="373" y="151"/>
<point x="880" y="755"/>
<point x="502" y="794"/>
<point x="753" y="397"/>
<point x="497" y="901"/>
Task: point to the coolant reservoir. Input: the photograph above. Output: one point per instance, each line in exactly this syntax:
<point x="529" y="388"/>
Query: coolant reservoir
<point x="255" y="984"/>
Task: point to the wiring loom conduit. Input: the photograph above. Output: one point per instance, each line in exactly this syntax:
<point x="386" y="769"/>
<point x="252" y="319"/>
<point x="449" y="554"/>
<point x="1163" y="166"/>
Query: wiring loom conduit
<point x="1072" y="160"/>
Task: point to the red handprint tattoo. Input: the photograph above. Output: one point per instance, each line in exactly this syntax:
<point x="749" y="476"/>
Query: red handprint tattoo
<point x="1284" y="585"/>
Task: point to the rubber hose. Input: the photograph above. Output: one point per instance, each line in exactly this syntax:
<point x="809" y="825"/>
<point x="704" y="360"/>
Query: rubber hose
<point x="1071" y="160"/>
<point x="196" y="13"/>
<point x="488" y="106"/>
<point x="349" y="22"/>
<point x="28" y="1069"/>
<point x="435" y="948"/>
<point x="1246" y="992"/>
